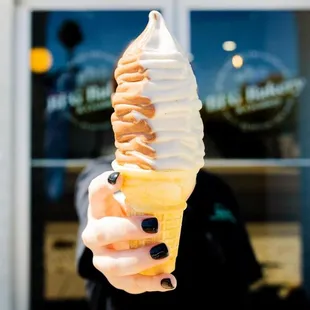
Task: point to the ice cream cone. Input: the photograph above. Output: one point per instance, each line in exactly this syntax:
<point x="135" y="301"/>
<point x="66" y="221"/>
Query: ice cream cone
<point x="162" y="194"/>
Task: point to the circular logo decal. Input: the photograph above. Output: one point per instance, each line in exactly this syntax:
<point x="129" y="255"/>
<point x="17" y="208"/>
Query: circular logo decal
<point x="82" y="91"/>
<point x="257" y="92"/>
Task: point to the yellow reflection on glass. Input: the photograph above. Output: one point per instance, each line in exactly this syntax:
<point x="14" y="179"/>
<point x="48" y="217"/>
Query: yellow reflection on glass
<point x="237" y="61"/>
<point x="40" y="60"/>
<point x="229" y="46"/>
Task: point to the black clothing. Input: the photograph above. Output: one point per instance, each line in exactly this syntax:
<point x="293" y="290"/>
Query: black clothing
<point x="215" y="264"/>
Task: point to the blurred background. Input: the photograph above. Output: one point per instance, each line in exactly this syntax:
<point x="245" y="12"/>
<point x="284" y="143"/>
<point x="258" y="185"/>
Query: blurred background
<point x="252" y="63"/>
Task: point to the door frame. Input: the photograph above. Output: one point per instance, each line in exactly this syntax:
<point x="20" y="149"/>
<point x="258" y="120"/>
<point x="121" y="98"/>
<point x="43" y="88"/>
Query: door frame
<point x="185" y="6"/>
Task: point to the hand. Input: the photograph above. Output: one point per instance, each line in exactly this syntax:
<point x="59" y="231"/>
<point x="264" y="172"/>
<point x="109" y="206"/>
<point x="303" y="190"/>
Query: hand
<point x="108" y="233"/>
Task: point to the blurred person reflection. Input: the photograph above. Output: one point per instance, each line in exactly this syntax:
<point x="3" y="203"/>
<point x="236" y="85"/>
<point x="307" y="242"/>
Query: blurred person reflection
<point x="215" y="264"/>
<point x="57" y="125"/>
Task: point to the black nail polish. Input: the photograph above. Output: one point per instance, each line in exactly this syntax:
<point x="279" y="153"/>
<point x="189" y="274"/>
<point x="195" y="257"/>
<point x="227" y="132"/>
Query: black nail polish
<point x="166" y="283"/>
<point x="159" y="251"/>
<point x="113" y="178"/>
<point x="150" y="225"/>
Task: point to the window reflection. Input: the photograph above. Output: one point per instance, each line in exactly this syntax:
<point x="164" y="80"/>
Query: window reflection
<point x="252" y="78"/>
<point x="247" y="67"/>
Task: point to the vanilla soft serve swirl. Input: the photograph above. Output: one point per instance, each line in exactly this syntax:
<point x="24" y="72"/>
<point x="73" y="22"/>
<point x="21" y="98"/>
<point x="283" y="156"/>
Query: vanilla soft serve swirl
<point x="156" y="119"/>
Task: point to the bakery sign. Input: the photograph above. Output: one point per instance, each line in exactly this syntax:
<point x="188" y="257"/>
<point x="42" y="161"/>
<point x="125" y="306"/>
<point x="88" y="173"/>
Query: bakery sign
<point x="262" y="93"/>
<point x="83" y="91"/>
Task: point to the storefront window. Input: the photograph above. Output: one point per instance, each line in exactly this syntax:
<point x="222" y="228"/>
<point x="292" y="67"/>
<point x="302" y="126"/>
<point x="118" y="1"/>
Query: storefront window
<point x="253" y="79"/>
<point x="249" y="81"/>
<point x="254" y="83"/>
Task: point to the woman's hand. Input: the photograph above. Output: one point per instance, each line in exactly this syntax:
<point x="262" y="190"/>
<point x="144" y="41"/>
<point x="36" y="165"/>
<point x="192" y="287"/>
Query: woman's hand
<point x="108" y="233"/>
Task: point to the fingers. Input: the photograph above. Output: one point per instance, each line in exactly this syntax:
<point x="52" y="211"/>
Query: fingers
<point x="138" y="284"/>
<point x="101" y="195"/>
<point x="130" y="262"/>
<point x="108" y="225"/>
<point x="109" y="230"/>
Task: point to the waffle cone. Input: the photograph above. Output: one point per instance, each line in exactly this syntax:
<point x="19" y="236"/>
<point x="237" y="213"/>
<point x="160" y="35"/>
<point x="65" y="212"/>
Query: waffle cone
<point x="162" y="194"/>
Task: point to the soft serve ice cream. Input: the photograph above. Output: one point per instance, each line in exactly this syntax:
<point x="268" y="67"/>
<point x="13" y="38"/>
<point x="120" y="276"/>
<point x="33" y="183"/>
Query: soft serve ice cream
<point x="158" y="134"/>
<point x="156" y="119"/>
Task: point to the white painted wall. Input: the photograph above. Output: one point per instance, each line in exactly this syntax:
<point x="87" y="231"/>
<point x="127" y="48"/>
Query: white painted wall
<point x="6" y="155"/>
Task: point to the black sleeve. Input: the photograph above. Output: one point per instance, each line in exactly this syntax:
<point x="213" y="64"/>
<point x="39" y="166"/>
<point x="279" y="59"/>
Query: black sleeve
<point x="84" y="256"/>
<point x="218" y="208"/>
<point x="239" y="253"/>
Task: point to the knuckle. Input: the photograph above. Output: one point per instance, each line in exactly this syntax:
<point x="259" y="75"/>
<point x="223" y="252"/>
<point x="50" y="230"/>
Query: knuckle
<point x="113" y="268"/>
<point x="93" y="235"/>
<point x="133" y="292"/>
<point x="146" y="286"/>
<point x="98" y="182"/>
<point x="97" y="263"/>
<point x="108" y="267"/>
<point x="119" y="284"/>
<point x="93" y="185"/>
<point x="99" y="236"/>
<point x="86" y="236"/>
<point x="98" y="191"/>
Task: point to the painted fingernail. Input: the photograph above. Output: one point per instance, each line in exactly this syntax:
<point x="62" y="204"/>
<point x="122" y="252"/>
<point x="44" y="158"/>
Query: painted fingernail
<point x="166" y="284"/>
<point x="113" y="178"/>
<point x="150" y="225"/>
<point x="159" y="251"/>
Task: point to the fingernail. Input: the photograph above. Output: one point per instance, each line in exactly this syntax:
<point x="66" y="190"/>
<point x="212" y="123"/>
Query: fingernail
<point x="166" y="283"/>
<point x="150" y="225"/>
<point x="159" y="251"/>
<point x="113" y="178"/>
